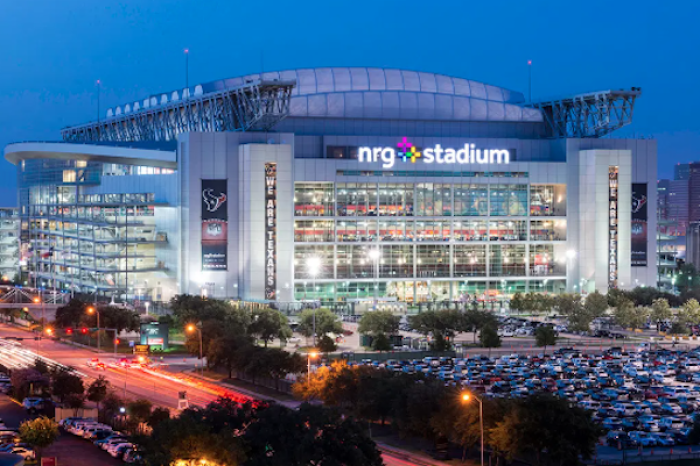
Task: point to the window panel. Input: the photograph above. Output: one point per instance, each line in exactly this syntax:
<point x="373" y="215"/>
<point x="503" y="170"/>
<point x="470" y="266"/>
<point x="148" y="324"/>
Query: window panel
<point x="471" y="200"/>
<point x="432" y="230"/>
<point x="313" y="199"/>
<point x="469" y="261"/>
<point x="396" y="230"/>
<point x="507" y="260"/>
<point x="548" y="200"/>
<point x="507" y="230"/>
<point x="356" y="231"/>
<point x="508" y="200"/>
<point x="357" y="199"/>
<point x="470" y="230"/>
<point x="313" y="262"/>
<point x="396" y="199"/>
<point x="548" y="230"/>
<point x="313" y="231"/>
<point x="433" y="261"/>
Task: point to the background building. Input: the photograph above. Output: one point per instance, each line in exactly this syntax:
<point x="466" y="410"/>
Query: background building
<point x="341" y="184"/>
<point x="9" y="243"/>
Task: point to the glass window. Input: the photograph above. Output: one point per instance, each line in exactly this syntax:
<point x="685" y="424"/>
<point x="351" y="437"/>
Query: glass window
<point x="507" y="260"/>
<point x="433" y="199"/>
<point x="395" y="230"/>
<point x="357" y="199"/>
<point x="355" y="261"/>
<point x="507" y="230"/>
<point x="341" y="152"/>
<point x="396" y="199"/>
<point x="432" y="230"/>
<point x="361" y="230"/>
<point x="543" y="261"/>
<point x="396" y="261"/>
<point x="548" y="200"/>
<point x="313" y="262"/>
<point x="508" y="200"/>
<point x="313" y="199"/>
<point x="548" y="230"/>
<point x="69" y="176"/>
<point x="433" y="261"/>
<point x="472" y="200"/>
<point x="469" y="261"/>
<point x="470" y="230"/>
<point x="313" y="231"/>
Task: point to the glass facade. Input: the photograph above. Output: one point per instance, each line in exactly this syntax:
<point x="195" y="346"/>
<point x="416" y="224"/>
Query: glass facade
<point x="422" y="241"/>
<point x="72" y="238"/>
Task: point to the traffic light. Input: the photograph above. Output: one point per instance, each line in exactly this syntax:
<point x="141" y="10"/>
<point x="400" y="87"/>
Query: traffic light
<point x="116" y="341"/>
<point x="83" y="330"/>
<point x="69" y="331"/>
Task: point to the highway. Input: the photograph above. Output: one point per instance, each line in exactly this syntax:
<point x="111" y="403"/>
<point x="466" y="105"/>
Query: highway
<point x="160" y="386"/>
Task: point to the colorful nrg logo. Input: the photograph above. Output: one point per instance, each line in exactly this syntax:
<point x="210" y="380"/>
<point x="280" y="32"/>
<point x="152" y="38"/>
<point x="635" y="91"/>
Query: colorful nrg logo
<point x="409" y="151"/>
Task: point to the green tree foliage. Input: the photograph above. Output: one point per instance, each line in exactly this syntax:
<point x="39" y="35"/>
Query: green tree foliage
<point x="71" y="315"/>
<point x="643" y="296"/>
<point x="595" y="305"/>
<point x="65" y="383"/>
<point x="441" y="325"/>
<point x="489" y="338"/>
<point x="310" y="435"/>
<point x="223" y="350"/>
<point x="40" y="433"/>
<point x="677" y="328"/>
<point x="578" y="317"/>
<point x="381" y="343"/>
<point x="474" y="320"/>
<point x="542" y="424"/>
<point x="545" y="336"/>
<point x="660" y="311"/>
<point x="326" y="322"/>
<point x="268" y="324"/>
<point x="379" y="322"/>
<point x="689" y="313"/>
<point x="534" y="303"/>
<point x="157" y="416"/>
<point x="628" y="316"/>
<point x="326" y="344"/>
<point x="97" y="390"/>
<point x="139" y="412"/>
<point x="116" y="317"/>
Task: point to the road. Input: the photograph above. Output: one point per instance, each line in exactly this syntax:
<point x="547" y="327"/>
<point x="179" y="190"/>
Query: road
<point x="161" y="387"/>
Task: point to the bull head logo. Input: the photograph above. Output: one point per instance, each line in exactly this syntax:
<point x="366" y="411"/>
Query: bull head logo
<point x="212" y="201"/>
<point x="638" y="203"/>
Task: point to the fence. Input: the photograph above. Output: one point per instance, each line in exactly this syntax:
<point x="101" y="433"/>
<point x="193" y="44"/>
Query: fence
<point x="401" y="355"/>
<point x="281" y="385"/>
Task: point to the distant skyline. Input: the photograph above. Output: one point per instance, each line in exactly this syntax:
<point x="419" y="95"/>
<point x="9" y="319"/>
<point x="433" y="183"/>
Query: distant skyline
<point x="54" y="53"/>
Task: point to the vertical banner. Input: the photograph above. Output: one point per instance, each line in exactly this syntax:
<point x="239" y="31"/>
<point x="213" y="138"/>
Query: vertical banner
<point x="214" y="225"/>
<point x="271" y="231"/>
<point x="612" y="226"/>
<point x="639" y="224"/>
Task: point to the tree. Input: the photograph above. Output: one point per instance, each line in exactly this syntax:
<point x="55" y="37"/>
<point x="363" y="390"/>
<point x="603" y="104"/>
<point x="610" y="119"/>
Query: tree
<point x="543" y="424"/>
<point x="381" y="343"/>
<point x="689" y="313"/>
<point x="326" y="322"/>
<point x="66" y="384"/>
<point x="518" y="302"/>
<point x="118" y="318"/>
<point x="157" y="416"/>
<point x="628" y="316"/>
<point x="97" y="390"/>
<point x="139" y="411"/>
<point x="222" y="352"/>
<point x="39" y="433"/>
<point x="545" y="336"/>
<point x="326" y="344"/>
<point x="379" y="322"/>
<point x="72" y="314"/>
<point x="476" y="319"/>
<point x="489" y="338"/>
<point x="309" y="435"/>
<point x="440" y="324"/>
<point x="268" y="324"/>
<point x="595" y="304"/>
<point x="660" y="311"/>
<point x="27" y="382"/>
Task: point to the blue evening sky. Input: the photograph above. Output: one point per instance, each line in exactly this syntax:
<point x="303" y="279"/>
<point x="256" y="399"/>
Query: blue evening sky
<point x="54" y="51"/>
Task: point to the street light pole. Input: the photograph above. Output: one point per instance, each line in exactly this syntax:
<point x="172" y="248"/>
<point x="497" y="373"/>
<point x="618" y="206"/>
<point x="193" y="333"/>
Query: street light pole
<point x="90" y="310"/>
<point x="192" y="328"/>
<point x="311" y="356"/>
<point x="466" y="397"/>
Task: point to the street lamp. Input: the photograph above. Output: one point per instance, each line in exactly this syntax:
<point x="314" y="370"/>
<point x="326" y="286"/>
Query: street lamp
<point x="312" y="355"/>
<point x="192" y="328"/>
<point x="93" y="310"/>
<point x="466" y="398"/>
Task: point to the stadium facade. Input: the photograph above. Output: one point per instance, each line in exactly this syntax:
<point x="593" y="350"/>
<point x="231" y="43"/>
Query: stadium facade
<point x="342" y="184"/>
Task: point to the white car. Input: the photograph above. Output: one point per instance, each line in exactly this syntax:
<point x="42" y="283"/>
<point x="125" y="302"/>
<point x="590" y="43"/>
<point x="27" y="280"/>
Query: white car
<point x="113" y="449"/>
<point x="24" y="452"/>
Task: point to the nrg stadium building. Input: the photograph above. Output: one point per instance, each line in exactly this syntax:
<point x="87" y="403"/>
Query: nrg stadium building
<point x="341" y="184"/>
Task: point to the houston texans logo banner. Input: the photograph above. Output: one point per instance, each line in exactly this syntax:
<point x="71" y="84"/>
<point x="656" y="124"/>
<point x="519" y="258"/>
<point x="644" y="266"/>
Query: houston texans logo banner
<point x="214" y="225"/>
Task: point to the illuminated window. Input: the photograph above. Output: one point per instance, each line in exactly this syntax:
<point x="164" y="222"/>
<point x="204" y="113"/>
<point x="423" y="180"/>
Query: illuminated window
<point x="69" y="176"/>
<point x="81" y="163"/>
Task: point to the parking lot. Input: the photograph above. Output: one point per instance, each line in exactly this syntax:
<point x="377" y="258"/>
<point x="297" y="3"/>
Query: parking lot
<point x="641" y="396"/>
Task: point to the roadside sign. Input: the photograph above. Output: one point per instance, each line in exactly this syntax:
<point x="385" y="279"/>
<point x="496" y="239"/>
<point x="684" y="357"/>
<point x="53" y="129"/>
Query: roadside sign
<point x="141" y="349"/>
<point x="49" y="461"/>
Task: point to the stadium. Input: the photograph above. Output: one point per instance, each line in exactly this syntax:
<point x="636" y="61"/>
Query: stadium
<point x="341" y="184"/>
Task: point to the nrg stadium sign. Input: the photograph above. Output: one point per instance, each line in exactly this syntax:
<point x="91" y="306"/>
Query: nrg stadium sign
<point x="436" y="154"/>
